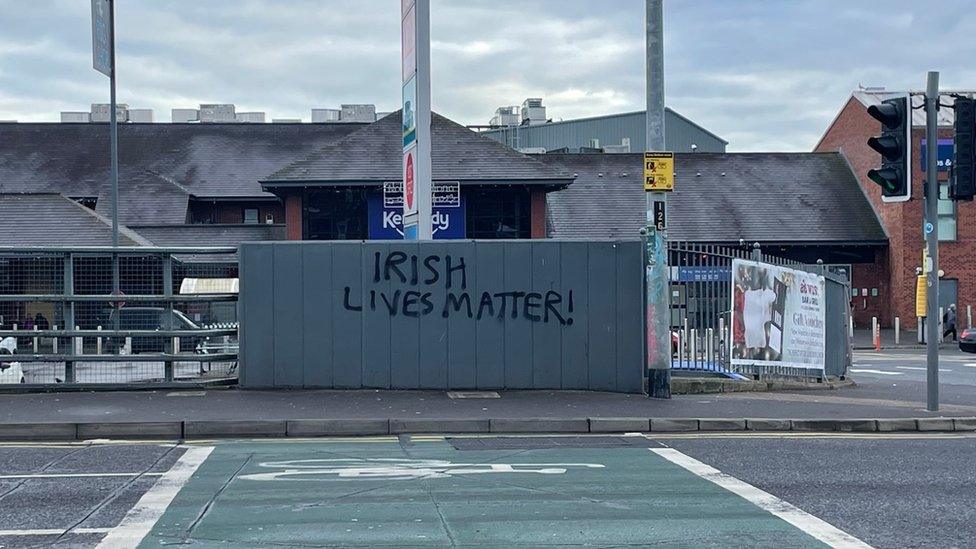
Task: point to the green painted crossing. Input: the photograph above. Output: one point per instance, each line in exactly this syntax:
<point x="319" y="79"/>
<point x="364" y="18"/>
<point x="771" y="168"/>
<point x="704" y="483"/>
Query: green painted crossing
<point x="426" y="493"/>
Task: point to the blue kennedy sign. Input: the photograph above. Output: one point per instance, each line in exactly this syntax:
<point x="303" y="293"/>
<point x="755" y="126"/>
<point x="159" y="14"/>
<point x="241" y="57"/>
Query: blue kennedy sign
<point x="385" y="213"/>
<point x="946" y="153"/>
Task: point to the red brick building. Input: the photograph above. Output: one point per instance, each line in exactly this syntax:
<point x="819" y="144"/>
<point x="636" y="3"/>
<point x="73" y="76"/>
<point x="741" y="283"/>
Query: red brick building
<point x="894" y="274"/>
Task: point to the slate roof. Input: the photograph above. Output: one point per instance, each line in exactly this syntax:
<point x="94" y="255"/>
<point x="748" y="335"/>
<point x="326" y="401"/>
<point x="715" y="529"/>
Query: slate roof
<point x="719" y="197"/>
<point x="201" y="160"/>
<point x="375" y="154"/>
<point x="208" y="235"/>
<point x="53" y="220"/>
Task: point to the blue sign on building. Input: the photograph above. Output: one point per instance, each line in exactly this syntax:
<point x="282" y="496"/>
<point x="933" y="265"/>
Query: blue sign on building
<point x="705" y="274"/>
<point x="386" y="216"/>
<point x="946" y="153"/>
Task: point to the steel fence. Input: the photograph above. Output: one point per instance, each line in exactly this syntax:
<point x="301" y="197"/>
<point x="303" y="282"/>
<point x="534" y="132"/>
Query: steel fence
<point x="99" y="315"/>
<point x="701" y="299"/>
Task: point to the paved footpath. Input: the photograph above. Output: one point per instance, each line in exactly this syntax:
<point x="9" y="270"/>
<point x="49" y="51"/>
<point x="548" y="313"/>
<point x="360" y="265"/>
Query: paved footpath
<point x="686" y="490"/>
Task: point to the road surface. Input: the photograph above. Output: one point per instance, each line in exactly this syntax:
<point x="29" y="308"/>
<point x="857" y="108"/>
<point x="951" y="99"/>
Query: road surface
<point x="731" y="490"/>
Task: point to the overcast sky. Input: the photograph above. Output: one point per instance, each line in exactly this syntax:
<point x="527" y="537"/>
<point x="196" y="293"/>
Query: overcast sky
<point x="763" y="74"/>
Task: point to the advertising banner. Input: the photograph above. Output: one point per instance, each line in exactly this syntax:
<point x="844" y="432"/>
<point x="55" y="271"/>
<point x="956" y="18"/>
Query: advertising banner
<point x="778" y="316"/>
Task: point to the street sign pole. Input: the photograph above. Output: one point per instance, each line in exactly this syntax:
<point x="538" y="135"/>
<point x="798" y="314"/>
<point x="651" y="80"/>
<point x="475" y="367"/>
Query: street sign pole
<point x="657" y="307"/>
<point x="417" y="176"/>
<point x="931" y="229"/>
<point x="103" y="61"/>
<point x="114" y="140"/>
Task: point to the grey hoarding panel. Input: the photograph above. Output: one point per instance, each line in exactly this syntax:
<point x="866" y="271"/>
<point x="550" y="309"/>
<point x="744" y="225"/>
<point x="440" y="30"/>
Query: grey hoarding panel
<point x="442" y="315"/>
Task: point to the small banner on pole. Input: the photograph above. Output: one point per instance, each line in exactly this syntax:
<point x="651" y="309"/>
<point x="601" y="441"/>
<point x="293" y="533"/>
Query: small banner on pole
<point x="101" y="39"/>
<point x="658" y="171"/>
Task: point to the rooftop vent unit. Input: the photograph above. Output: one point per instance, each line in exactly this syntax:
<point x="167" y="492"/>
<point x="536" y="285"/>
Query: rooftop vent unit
<point x="505" y="116"/>
<point x="217" y="112"/>
<point x="358" y="113"/>
<point x="321" y="116"/>
<point x="533" y="112"/>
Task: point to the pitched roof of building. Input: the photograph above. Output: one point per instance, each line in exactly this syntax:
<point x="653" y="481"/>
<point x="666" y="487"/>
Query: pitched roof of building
<point x="375" y="154"/>
<point x="169" y="236"/>
<point x="53" y="220"/>
<point x="719" y="197"/>
<point x="201" y="160"/>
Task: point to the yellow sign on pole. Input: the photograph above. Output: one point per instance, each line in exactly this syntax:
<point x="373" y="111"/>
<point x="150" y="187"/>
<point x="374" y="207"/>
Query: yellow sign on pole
<point x="658" y="172"/>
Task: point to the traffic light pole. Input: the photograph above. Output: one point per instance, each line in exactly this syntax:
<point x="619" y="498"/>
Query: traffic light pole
<point x="932" y="238"/>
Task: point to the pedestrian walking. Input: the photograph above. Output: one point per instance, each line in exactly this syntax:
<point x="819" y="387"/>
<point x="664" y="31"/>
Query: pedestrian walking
<point x="949" y="320"/>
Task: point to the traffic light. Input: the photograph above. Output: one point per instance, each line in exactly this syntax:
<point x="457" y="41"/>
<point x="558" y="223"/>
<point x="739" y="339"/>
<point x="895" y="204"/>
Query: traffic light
<point x="894" y="144"/>
<point x="963" y="184"/>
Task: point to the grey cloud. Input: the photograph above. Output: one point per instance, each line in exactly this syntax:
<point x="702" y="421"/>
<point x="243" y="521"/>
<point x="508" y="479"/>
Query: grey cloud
<point x="764" y="74"/>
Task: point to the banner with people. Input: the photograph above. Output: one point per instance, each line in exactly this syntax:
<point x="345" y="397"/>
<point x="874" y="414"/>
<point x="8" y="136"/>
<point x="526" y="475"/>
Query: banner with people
<point x="778" y="316"/>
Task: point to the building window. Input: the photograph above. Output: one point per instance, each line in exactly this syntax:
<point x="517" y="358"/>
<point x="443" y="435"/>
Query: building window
<point x="250" y="215"/>
<point x="947" y="215"/>
<point x="335" y="214"/>
<point x="498" y="213"/>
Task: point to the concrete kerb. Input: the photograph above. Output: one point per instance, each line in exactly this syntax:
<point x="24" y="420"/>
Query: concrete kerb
<point x="195" y="429"/>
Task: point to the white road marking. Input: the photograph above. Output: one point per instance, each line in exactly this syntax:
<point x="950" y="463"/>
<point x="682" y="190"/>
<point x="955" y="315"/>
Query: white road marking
<point x="78" y="475"/>
<point x="878" y="372"/>
<point x="919" y="368"/>
<point x="819" y="529"/>
<point x="151" y="506"/>
<point x="52" y="532"/>
<point x="399" y="469"/>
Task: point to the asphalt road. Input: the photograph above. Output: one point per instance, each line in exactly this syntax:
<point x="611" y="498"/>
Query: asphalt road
<point x="783" y="490"/>
<point x="900" y="375"/>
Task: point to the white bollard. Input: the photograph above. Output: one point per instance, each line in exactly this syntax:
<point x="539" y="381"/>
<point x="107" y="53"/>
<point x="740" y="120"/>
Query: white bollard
<point x="897" y="330"/>
<point x="127" y="349"/>
<point x="35" y="340"/>
<point x="850" y="326"/>
<point x="79" y="343"/>
<point x="941" y="327"/>
<point x="710" y="346"/>
<point x="921" y="329"/>
<point x="693" y="346"/>
<point x="176" y="345"/>
<point x="54" y="342"/>
<point x="98" y="343"/>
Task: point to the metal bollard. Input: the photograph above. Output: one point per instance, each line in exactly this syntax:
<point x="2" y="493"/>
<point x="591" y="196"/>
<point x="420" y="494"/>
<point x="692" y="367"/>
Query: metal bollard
<point x="98" y="343"/>
<point x="875" y="333"/>
<point x="897" y="330"/>
<point x="941" y="327"/>
<point x="54" y="342"/>
<point x="850" y="326"/>
<point x="35" y="340"/>
<point x="79" y="343"/>
<point x="128" y="345"/>
<point x="921" y="329"/>
<point x="710" y="349"/>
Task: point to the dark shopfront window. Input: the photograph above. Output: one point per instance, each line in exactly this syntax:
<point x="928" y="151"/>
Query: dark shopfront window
<point x="335" y="214"/>
<point x="498" y="213"/>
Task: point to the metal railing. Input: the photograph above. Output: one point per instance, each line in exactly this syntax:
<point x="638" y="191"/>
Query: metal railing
<point x="701" y="299"/>
<point x="106" y="316"/>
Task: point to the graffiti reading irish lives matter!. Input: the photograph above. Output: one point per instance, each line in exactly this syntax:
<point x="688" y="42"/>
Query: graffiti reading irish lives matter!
<point x="433" y="284"/>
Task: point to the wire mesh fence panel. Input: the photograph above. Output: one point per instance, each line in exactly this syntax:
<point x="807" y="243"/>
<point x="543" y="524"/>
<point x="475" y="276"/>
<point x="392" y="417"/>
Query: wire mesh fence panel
<point x="104" y="316"/>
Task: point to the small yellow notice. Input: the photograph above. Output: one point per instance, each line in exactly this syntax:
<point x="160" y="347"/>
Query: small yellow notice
<point x="658" y="172"/>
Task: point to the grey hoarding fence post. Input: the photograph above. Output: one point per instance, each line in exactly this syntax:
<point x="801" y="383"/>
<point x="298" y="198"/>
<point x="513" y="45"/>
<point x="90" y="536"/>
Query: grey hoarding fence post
<point x="932" y="237"/>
